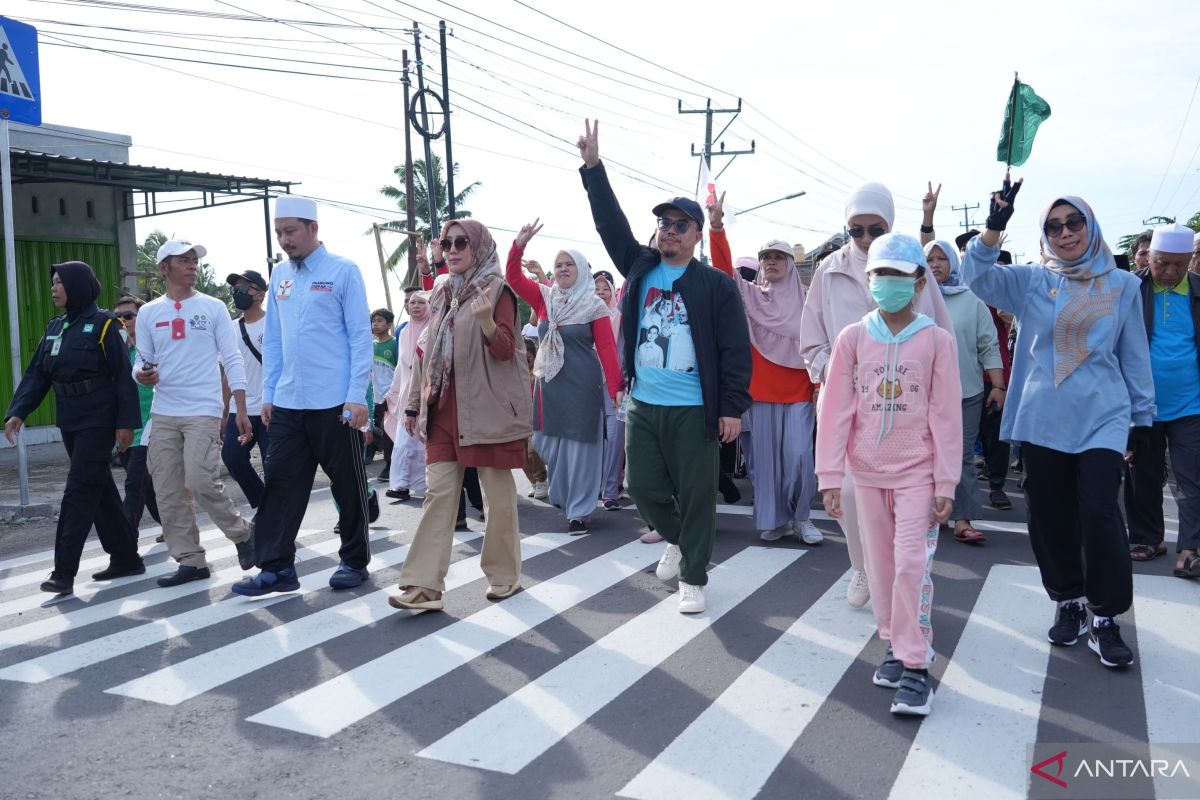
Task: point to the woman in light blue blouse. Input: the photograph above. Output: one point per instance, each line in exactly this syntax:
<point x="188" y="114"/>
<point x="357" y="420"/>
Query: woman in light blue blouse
<point x="1081" y="388"/>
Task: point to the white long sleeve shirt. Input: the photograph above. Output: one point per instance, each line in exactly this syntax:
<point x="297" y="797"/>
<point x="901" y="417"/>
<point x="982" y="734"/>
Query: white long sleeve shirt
<point x="189" y="382"/>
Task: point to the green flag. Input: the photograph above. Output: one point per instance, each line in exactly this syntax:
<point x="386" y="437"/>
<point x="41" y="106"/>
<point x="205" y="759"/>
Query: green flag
<point x="1022" y="116"/>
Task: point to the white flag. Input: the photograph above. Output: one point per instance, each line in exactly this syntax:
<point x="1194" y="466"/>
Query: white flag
<point x="708" y="194"/>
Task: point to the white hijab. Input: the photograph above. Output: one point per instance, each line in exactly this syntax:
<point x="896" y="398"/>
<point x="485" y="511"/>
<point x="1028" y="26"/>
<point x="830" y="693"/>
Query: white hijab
<point x="577" y="305"/>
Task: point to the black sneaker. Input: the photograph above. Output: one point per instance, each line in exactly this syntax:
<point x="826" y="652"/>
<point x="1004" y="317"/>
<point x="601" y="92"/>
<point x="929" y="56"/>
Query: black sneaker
<point x="58" y="584"/>
<point x="385" y="474"/>
<point x="1107" y="643"/>
<point x="914" y="695"/>
<point x="1069" y="624"/>
<point x="245" y="551"/>
<point x="460" y="524"/>
<point x="373" y="507"/>
<point x="183" y="575"/>
<point x="117" y="571"/>
<point x="1018" y="465"/>
<point x="577" y="527"/>
<point x="998" y="500"/>
<point x="400" y="494"/>
<point x="891" y="669"/>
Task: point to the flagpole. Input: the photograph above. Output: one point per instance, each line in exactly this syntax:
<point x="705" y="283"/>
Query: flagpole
<point x="1012" y="117"/>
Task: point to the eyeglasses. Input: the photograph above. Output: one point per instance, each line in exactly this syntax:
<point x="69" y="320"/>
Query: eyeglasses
<point x="457" y="243"/>
<point x="679" y="225"/>
<point x="126" y="315"/>
<point x="1074" y="224"/>
<point x="874" y="230"/>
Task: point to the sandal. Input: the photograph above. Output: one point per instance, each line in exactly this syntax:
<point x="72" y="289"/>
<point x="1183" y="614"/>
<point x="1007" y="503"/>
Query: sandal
<point x="501" y="592"/>
<point x="417" y="599"/>
<point x="1145" y="552"/>
<point x="969" y="535"/>
<point x="1190" y="568"/>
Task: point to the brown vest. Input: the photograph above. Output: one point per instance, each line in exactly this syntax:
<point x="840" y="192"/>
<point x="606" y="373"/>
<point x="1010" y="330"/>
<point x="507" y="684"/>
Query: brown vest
<point x="494" y="402"/>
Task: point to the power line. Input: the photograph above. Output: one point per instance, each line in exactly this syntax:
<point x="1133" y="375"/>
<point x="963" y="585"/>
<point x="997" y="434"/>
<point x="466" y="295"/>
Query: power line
<point x="1170" y="160"/>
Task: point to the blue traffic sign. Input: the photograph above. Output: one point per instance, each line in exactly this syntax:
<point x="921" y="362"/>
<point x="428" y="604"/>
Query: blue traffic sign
<point x="20" y="82"/>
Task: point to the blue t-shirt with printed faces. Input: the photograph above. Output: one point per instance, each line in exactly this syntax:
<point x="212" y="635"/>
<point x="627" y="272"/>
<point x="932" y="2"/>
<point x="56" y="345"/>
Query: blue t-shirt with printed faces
<point x="665" y="358"/>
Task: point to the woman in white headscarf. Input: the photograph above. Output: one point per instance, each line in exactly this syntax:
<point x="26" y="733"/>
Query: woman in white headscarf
<point x="408" y="454"/>
<point x="569" y="392"/>
<point x="837" y="297"/>
<point x="614" y="423"/>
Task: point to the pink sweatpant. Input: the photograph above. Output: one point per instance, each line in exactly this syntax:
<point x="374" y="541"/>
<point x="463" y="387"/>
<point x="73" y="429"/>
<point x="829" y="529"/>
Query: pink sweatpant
<point x="898" y="544"/>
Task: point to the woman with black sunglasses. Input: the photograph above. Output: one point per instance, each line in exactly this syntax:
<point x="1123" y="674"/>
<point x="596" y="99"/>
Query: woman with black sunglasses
<point x="1080" y="376"/>
<point x="838" y="297"/>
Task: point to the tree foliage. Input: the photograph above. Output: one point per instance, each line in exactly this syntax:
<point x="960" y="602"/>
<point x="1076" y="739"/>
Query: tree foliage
<point x="421" y="204"/>
<point x="150" y="282"/>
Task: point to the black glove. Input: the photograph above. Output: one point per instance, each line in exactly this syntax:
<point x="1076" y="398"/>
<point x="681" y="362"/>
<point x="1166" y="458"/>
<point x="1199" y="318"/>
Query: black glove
<point x="998" y="216"/>
<point x="1139" y="441"/>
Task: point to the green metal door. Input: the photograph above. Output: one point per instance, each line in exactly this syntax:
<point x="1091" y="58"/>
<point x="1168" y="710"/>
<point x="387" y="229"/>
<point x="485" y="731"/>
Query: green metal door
<point x="35" y="308"/>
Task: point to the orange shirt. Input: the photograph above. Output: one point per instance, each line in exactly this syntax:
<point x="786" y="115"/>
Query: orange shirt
<point x="772" y="383"/>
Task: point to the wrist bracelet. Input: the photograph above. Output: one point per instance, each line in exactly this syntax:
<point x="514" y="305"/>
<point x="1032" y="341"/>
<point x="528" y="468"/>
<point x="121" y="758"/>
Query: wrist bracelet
<point x="926" y="229"/>
<point x="715" y="229"/>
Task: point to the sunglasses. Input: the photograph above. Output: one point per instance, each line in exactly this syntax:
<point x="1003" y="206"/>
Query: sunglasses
<point x="679" y="225"/>
<point x="1074" y="224"/>
<point x="457" y="243"/>
<point x="126" y="315"/>
<point x="875" y="230"/>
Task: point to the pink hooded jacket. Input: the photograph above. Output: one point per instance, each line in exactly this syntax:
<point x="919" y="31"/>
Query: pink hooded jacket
<point x="895" y="432"/>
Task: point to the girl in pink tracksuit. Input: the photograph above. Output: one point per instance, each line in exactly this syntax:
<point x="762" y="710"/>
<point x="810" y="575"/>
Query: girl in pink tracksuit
<point x="891" y="415"/>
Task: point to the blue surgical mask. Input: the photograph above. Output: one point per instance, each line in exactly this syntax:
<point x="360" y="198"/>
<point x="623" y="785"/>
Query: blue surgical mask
<point x="892" y="293"/>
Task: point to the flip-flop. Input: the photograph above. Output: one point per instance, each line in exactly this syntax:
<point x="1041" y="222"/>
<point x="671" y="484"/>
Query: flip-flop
<point x="1190" y="568"/>
<point x="1144" y="552"/>
<point x="969" y="535"/>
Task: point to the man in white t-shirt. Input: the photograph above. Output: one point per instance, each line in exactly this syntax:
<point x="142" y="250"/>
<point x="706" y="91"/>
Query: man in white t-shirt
<point x="249" y="293"/>
<point x="183" y="338"/>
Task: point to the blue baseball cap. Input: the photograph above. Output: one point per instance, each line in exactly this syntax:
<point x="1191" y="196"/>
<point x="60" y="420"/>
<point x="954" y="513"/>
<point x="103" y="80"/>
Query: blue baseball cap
<point x="896" y="251"/>
<point x="685" y="204"/>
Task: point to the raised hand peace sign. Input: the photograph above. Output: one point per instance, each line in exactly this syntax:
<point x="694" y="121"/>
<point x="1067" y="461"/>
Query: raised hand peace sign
<point x="930" y="200"/>
<point x="589" y="143"/>
<point x="716" y="212"/>
<point x="527" y="232"/>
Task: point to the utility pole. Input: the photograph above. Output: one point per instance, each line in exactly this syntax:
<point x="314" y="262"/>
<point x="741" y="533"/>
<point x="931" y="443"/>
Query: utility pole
<point x="387" y="290"/>
<point x="967" y="222"/>
<point x="707" y="152"/>
<point x="430" y="182"/>
<point x="446" y="107"/>
<point x="410" y="277"/>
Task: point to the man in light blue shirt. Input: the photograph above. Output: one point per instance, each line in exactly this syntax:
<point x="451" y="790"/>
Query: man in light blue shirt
<point x="316" y="365"/>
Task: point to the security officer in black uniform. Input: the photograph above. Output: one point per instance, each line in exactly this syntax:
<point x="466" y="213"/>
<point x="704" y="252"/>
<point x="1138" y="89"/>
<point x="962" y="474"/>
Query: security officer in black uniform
<point x="84" y="359"/>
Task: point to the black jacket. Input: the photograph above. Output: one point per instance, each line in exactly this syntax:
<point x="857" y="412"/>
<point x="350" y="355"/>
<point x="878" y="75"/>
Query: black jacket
<point x="1147" y="289"/>
<point x="93" y="385"/>
<point x="718" y="320"/>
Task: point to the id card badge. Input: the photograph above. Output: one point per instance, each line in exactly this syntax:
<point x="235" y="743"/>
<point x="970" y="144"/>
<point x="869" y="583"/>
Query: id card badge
<point x="54" y="348"/>
<point x="178" y="328"/>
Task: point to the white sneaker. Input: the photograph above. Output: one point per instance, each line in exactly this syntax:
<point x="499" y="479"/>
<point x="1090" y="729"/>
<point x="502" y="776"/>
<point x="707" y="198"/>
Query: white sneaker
<point x="808" y="533"/>
<point x="691" y="598"/>
<point x="858" y="593"/>
<point x="775" y="534"/>
<point x="541" y="490"/>
<point x="668" y="565"/>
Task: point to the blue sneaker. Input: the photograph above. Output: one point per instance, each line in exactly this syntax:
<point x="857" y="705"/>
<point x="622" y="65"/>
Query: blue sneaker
<point x="267" y="583"/>
<point x="347" y="577"/>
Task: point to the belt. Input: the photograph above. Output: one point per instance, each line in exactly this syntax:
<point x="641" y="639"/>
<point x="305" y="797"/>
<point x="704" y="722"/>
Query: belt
<point x="78" y="388"/>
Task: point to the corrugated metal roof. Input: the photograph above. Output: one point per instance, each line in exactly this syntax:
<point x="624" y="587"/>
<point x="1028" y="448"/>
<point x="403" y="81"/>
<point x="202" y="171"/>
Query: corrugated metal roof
<point x="33" y="167"/>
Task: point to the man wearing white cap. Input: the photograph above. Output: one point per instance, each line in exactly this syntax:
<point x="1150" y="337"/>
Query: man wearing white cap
<point x="1171" y="308"/>
<point x="182" y="338"/>
<point x="317" y="362"/>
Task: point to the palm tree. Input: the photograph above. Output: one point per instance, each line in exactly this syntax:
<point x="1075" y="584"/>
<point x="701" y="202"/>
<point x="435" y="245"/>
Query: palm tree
<point x="150" y="282"/>
<point x="421" y="204"/>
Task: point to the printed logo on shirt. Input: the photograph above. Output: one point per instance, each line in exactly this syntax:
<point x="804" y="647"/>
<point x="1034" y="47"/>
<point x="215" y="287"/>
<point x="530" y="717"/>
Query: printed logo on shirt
<point x="200" y="322"/>
<point x="321" y="286"/>
<point x="284" y="290"/>
<point x="878" y="391"/>
<point x="664" y="335"/>
<point x="163" y="324"/>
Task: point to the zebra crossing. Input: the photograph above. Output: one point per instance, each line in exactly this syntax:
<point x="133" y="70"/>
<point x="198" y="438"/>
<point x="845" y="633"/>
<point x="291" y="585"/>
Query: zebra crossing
<point x="590" y="679"/>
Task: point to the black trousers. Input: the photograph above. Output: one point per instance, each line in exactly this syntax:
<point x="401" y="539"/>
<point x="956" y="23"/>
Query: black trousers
<point x="139" y="488"/>
<point x="1075" y="526"/>
<point x="91" y="498"/>
<point x="995" y="451"/>
<point x="302" y="440"/>
<point x="1144" y="488"/>
<point x="383" y="442"/>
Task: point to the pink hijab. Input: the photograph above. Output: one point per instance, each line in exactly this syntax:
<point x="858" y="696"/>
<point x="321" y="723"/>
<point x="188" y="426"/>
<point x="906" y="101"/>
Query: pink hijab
<point x="773" y="311"/>
<point x="397" y="394"/>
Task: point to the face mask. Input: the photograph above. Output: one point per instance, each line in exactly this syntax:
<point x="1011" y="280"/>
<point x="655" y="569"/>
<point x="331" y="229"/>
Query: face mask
<point x="242" y="299"/>
<point x="892" y="293"/>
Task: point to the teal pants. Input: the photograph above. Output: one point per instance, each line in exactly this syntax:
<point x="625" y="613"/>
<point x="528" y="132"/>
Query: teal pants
<point x="671" y="469"/>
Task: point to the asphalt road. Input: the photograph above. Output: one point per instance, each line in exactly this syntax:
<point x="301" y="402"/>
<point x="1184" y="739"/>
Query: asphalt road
<point x="587" y="685"/>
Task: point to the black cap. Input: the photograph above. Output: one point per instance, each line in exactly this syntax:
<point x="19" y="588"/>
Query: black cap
<point x="385" y="313"/>
<point x="603" y="273"/>
<point x="250" y="275"/>
<point x="961" y="240"/>
<point x="1005" y="257"/>
<point x="685" y="204"/>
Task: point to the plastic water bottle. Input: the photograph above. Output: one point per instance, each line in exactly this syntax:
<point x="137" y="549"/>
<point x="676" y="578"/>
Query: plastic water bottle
<point x="623" y="409"/>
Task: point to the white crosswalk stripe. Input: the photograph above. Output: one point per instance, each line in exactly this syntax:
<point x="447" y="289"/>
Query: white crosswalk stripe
<point x="733" y="743"/>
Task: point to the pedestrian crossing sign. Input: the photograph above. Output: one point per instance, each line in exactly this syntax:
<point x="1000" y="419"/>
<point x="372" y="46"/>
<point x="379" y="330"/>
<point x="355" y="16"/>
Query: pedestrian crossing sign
<point x="20" y="81"/>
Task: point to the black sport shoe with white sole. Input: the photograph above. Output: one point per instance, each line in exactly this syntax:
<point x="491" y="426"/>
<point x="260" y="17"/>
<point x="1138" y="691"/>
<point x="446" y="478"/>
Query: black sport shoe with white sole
<point x="915" y="695"/>
<point x="1105" y="640"/>
<point x="891" y="669"/>
<point x="1069" y="624"/>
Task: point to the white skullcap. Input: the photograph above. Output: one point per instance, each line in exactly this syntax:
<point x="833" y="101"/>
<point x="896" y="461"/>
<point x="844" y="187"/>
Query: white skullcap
<point x="871" y="198"/>
<point x="1172" y="239"/>
<point x="298" y="207"/>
